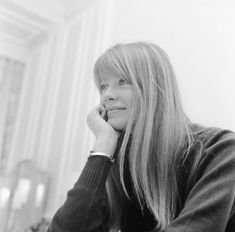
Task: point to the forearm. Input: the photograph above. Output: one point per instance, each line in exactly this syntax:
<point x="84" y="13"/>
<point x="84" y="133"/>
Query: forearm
<point x="82" y="210"/>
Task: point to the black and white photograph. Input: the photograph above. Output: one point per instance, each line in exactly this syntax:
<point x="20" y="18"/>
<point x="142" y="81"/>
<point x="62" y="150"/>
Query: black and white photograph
<point x="117" y="116"/>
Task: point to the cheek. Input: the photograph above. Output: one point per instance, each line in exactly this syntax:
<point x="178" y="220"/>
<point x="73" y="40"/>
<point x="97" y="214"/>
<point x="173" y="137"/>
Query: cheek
<point x="119" y="122"/>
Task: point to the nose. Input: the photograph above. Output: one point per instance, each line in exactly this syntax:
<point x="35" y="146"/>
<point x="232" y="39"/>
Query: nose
<point x="109" y="95"/>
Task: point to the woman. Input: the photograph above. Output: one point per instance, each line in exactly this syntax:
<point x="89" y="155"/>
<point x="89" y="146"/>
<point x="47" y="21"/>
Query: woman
<point x="151" y="169"/>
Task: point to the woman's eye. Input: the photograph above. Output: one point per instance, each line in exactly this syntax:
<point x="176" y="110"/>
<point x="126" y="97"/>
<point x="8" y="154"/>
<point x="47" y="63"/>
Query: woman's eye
<point x="122" y="81"/>
<point x="102" y="87"/>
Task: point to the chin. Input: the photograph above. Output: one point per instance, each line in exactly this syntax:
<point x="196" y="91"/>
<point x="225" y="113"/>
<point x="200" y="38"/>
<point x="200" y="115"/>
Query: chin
<point x="117" y="125"/>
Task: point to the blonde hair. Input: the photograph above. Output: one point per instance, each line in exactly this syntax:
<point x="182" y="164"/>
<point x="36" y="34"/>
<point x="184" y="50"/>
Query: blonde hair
<point x="160" y="135"/>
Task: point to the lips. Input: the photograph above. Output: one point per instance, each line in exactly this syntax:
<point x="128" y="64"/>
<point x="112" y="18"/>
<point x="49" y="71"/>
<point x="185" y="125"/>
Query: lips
<point x="112" y="111"/>
<point x="115" y="108"/>
<point x="116" y="112"/>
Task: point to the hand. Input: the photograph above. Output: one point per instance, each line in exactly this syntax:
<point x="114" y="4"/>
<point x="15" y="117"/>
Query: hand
<point x="106" y="135"/>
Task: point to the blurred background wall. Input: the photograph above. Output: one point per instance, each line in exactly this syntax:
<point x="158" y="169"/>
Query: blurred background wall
<point x="55" y="44"/>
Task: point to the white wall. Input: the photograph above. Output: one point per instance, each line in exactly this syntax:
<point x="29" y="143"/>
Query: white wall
<point x="69" y="139"/>
<point x="199" y="37"/>
<point x="58" y="89"/>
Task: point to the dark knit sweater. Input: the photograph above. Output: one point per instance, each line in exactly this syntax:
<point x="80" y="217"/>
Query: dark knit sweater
<point x="207" y="200"/>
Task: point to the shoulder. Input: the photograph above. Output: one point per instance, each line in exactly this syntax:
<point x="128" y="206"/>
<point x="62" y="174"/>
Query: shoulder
<point x="213" y="138"/>
<point x="215" y="151"/>
<point x="207" y="180"/>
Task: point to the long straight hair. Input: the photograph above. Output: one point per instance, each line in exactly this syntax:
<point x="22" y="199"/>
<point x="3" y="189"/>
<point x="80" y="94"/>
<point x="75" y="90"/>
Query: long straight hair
<point x="160" y="135"/>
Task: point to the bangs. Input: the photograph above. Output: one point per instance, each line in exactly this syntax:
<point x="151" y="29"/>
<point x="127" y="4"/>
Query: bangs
<point x="109" y="64"/>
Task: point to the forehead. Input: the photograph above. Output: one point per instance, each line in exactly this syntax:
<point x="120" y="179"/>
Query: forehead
<point x="109" y="78"/>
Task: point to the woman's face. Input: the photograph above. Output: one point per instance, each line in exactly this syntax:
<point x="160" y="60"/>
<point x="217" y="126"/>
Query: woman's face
<point x="116" y="96"/>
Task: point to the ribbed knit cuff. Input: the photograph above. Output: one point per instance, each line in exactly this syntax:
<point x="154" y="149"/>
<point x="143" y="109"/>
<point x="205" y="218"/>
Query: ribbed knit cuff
<point x="94" y="174"/>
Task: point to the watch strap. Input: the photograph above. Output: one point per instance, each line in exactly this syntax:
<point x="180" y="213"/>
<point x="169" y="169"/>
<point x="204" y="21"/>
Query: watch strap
<point x="95" y="153"/>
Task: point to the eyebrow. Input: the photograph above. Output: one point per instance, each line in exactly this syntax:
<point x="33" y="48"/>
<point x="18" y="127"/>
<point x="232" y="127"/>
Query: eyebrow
<point x="114" y="76"/>
<point x="104" y="78"/>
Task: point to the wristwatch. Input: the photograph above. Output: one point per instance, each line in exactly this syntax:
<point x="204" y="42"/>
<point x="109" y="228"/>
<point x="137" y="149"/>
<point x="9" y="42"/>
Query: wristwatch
<point x="95" y="153"/>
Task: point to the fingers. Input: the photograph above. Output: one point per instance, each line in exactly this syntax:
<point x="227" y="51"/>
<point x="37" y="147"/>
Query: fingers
<point x="103" y="113"/>
<point x="101" y="109"/>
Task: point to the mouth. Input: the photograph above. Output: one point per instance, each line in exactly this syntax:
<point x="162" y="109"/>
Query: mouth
<point x="114" y="111"/>
<point x="117" y="109"/>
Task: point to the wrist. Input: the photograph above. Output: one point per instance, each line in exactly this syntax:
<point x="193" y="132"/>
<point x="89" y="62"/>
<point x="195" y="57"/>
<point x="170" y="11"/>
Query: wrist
<point x="110" y="135"/>
<point x="106" y="145"/>
<point x="94" y="153"/>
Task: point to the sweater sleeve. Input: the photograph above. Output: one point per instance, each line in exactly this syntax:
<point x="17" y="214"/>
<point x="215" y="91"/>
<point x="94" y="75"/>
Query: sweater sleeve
<point x="83" y="209"/>
<point x="210" y="202"/>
